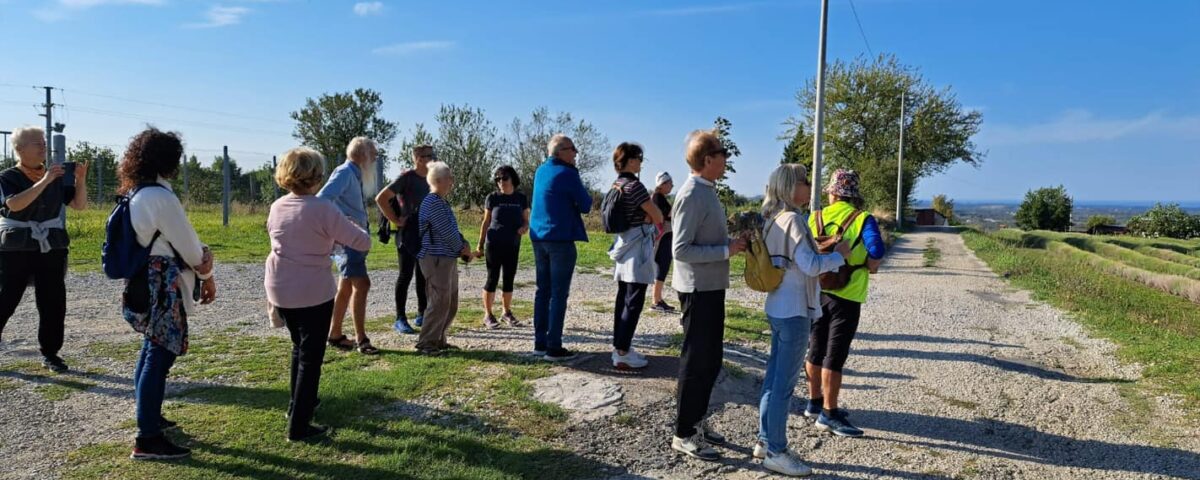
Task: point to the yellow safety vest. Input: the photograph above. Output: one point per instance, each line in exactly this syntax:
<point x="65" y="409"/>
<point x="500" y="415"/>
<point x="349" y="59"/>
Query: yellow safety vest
<point x="834" y="215"/>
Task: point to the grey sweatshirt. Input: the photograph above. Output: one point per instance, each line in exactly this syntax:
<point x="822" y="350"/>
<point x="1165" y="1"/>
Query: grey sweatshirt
<point x="701" y="243"/>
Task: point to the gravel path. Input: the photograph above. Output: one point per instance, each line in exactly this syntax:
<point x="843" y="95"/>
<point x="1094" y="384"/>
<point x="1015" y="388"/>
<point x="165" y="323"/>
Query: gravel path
<point x="953" y="375"/>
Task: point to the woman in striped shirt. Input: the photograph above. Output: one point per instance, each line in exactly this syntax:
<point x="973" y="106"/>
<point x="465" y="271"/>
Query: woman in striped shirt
<point x="441" y="243"/>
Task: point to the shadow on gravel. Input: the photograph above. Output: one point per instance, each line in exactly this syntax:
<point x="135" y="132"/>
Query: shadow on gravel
<point x="903" y="337"/>
<point x="997" y="439"/>
<point x="849" y="372"/>
<point x="1009" y="365"/>
<point x="840" y="470"/>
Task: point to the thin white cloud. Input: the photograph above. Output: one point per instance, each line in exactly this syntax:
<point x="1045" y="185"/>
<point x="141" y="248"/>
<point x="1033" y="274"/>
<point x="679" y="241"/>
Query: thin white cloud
<point x="365" y="9"/>
<point x="409" y="48"/>
<point x="62" y="9"/>
<point x="221" y="16"/>
<point x="1081" y="126"/>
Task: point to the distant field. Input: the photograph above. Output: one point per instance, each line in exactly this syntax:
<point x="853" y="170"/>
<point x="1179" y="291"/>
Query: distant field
<point x="245" y="239"/>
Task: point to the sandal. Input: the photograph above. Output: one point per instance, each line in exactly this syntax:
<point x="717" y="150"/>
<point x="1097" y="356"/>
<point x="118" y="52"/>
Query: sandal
<point x="365" y="347"/>
<point x="341" y="343"/>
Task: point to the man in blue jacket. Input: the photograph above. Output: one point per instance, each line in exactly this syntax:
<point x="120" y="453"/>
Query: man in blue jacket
<point x="555" y="224"/>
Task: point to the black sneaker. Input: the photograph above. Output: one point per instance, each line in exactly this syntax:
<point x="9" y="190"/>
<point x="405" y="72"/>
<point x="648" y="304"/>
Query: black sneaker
<point x="662" y="307"/>
<point x="559" y="355"/>
<point x="314" y="432"/>
<point x="157" y="448"/>
<point x="164" y="424"/>
<point x="55" y="364"/>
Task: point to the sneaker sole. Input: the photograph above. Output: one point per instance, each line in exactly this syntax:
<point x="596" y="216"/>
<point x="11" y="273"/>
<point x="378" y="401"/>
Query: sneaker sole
<point x="789" y="474"/>
<point x="559" y="359"/>
<point x="152" y="456"/>
<point x="696" y="455"/>
<point x="825" y="428"/>
<point x="627" y="367"/>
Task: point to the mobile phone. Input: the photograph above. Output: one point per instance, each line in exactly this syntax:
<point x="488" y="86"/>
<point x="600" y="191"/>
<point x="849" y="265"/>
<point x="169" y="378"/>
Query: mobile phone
<point x="68" y="174"/>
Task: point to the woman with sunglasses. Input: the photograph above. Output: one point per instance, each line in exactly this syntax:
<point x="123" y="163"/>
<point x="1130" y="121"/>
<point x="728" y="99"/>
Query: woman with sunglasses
<point x="505" y="221"/>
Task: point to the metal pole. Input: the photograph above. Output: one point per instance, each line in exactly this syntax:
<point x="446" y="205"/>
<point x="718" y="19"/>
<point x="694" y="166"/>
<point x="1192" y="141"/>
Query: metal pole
<point x="99" y="181"/>
<point x="274" y="167"/>
<point x="819" y="120"/>
<point x="4" y="152"/>
<point x="225" y="188"/>
<point x="900" y="173"/>
<point x="49" y="130"/>
<point x="186" y="197"/>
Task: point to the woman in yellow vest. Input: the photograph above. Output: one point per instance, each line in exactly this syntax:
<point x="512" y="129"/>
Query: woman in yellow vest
<point x="830" y="336"/>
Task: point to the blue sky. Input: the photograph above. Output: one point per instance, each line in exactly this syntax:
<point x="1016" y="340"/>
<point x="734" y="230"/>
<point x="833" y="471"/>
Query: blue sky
<point x="1101" y="96"/>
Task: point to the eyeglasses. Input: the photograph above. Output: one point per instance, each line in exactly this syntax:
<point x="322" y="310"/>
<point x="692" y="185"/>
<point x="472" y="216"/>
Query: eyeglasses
<point x="721" y="151"/>
<point x="500" y="179"/>
<point x="571" y="148"/>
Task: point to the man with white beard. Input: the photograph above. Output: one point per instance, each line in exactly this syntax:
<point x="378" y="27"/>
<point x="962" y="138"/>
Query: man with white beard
<point x="348" y="185"/>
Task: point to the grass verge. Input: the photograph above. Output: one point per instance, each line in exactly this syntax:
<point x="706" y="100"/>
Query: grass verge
<point x="932" y="253"/>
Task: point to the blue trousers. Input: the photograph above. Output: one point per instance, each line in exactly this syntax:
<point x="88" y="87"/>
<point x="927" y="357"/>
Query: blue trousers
<point x="789" y="339"/>
<point x="150" y="386"/>
<point x="555" y="262"/>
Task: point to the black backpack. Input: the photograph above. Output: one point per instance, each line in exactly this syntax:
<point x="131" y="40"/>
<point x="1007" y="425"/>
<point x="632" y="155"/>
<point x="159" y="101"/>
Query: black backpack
<point x="610" y="211"/>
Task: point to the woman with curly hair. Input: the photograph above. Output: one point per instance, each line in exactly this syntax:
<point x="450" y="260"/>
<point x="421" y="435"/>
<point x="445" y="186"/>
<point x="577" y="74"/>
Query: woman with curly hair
<point x="178" y="274"/>
<point x="33" y="238"/>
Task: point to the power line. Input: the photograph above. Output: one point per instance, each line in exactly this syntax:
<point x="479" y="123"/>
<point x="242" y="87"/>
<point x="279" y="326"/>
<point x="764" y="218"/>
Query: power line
<point x="179" y="107"/>
<point x="137" y="116"/>
<point x="860" y="28"/>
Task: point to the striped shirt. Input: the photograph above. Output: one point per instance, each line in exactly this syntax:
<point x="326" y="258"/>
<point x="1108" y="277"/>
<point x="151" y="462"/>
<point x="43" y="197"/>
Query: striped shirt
<point x="633" y="196"/>
<point x="440" y="236"/>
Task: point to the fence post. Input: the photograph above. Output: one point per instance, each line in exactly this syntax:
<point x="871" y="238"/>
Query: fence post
<point x="99" y="180"/>
<point x="274" y="167"/>
<point x="225" y="187"/>
<point x="186" y="196"/>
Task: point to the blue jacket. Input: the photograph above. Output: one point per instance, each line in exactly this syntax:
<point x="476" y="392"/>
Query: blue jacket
<point x="559" y="200"/>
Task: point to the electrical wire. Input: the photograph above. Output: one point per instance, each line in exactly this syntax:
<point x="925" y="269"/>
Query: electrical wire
<point x="860" y="28"/>
<point x="180" y="107"/>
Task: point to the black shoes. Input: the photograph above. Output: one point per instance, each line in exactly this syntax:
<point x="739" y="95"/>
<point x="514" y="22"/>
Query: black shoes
<point x="157" y="448"/>
<point x="55" y="364"/>
<point x="312" y="433"/>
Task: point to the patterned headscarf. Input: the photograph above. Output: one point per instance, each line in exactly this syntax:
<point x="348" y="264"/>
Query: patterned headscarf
<point x="844" y="183"/>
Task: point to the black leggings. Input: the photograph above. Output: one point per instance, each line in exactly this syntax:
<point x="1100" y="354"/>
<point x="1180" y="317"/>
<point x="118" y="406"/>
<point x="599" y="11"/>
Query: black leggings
<point x="48" y="272"/>
<point x="501" y="257"/>
<point x="409" y="267"/>
<point x="830" y="336"/>
<point x="309" y="327"/>
<point x="663" y="257"/>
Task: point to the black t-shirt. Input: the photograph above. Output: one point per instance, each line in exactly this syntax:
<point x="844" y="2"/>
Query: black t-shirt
<point x="508" y="216"/>
<point x="663" y="205"/>
<point x="633" y="196"/>
<point x="410" y="189"/>
<point x="47" y="206"/>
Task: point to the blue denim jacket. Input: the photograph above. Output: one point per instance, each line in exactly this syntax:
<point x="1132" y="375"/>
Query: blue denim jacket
<point x="344" y="189"/>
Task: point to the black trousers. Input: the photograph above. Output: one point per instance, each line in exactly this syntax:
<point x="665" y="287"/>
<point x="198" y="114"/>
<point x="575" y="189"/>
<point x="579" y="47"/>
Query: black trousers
<point x="49" y="273"/>
<point x="631" y="297"/>
<point x="700" y="360"/>
<point x="409" y="266"/>
<point x="501" y="259"/>
<point x="309" y="327"/>
<point x="829" y="337"/>
<point x="663" y="256"/>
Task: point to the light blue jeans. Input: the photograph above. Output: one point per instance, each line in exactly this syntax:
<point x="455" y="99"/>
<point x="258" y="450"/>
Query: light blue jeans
<point x="789" y="340"/>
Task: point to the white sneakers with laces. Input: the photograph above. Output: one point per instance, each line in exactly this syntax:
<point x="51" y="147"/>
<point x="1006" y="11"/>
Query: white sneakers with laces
<point x="632" y="360"/>
<point x="694" y="446"/>
<point x="787" y="463"/>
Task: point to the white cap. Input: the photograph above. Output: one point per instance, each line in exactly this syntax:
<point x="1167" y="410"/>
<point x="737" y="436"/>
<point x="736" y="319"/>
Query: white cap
<point x="661" y="178"/>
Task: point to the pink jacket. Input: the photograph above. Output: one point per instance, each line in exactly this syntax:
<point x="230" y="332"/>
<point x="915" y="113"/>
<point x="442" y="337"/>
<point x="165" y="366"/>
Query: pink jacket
<point x="303" y="231"/>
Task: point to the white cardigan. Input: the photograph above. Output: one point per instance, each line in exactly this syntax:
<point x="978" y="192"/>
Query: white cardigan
<point x="800" y="293"/>
<point x="158" y="209"/>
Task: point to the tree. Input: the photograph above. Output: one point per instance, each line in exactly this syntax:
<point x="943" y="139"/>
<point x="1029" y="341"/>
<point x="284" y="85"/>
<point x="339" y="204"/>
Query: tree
<point x="1167" y="220"/>
<point x="944" y="205"/>
<point x="102" y="166"/>
<point x="329" y="122"/>
<point x="721" y="127"/>
<point x="862" y="127"/>
<point x="468" y="143"/>
<point x="1045" y="209"/>
<point x="420" y="136"/>
<point x="525" y="145"/>
<point x="1099" y="221"/>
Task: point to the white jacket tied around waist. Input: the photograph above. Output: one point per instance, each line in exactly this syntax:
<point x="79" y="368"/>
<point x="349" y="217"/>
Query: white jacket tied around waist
<point x="633" y="254"/>
<point x="39" y="231"/>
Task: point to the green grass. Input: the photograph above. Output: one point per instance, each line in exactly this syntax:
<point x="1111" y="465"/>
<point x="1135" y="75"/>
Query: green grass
<point x="1151" y="327"/>
<point x="397" y="415"/>
<point x="932" y="253"/>
<point x="51" y="386"/>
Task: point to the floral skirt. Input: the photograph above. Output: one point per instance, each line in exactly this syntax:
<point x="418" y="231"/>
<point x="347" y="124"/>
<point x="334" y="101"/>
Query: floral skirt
<point x="153" y="305"/>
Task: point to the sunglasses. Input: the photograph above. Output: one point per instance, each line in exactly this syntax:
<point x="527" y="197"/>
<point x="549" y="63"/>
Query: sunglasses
<point x="500" y="179"/>
<point x="573" y="149"/>
<point x="721" y="151"/>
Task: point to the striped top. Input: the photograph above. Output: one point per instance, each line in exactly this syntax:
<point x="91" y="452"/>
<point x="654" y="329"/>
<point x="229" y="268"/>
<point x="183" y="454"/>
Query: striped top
<point x="440" y="236"/>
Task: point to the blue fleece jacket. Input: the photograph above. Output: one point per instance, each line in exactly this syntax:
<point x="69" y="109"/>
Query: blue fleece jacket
<point x="559" y="200"/>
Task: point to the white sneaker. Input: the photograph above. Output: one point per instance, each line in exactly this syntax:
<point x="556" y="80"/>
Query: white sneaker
<point x="636" y="353"/>
<point x="629" y="361"/>
<point x="787" y="463"/>
<point x="760" y="450"/>
<point x="694" y="446"/>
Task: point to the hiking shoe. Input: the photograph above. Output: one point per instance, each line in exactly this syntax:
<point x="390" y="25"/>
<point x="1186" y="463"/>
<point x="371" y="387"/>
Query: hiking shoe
<point x="538" y="353"/>
<point x="760" y="450"/>
<point x="314" y="432"/>
<point x="559" y="355"/>
<point x="55" y="364"/>
<point x="813" y="410"/>
<point x="629" y="361"/>
<point x="710" y="435"/>
<point x="420" y="320"/>
<point x="490" y="322"/>
<point x="164" y="424"/>
<point x="157" y="448"/>
<point x="837" y="424"/>
<point x="512" y="320"/>
<point x="662" y="307"/>
<point x="787" y="463"/>
<point x="403" y="327"/>
<point x="695" y="447"/>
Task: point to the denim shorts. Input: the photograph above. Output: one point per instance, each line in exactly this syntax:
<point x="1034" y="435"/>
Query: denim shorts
<point x="352" y="263"/>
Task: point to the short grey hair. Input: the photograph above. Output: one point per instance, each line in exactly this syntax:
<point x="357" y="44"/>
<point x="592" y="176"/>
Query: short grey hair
<point x="21" y="136"/>
<point x="356" y="146"/>
<point x="437" y="171"/>
<point x="556" y="143"/>
<point x="781" y="186"/>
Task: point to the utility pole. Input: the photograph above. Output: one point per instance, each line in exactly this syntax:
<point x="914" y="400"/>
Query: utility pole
<point x="274" y="168"/>
<point x="4" y="153"/>
<point x="900" y="172"/>
<point x="819" y="120"/>
<point x="185" y="178"/>
<point x="49" y="126"/>
<point x="225" y="188"/>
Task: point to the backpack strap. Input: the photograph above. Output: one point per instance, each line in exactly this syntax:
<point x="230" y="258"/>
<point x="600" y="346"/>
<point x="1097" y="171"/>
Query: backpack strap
<point x="820" y="222"/>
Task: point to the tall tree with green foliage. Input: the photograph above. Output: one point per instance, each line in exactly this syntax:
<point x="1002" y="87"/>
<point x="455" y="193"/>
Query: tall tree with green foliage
<point x="944" y="205"/>
<point x="722" y="127"/>
<point x="862" y="127"/>
<point x="420" y="136"/>
<point x="470" y="145"/>
<point x="328" y="123"/>
<point x="1165" y="220"/>
<point x="526" y="139"/>
<point x="1046" y="209"/>
<point x="102" y="163"/>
